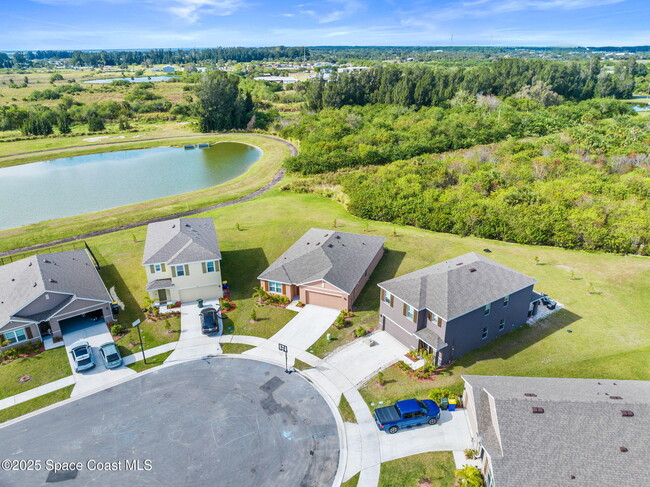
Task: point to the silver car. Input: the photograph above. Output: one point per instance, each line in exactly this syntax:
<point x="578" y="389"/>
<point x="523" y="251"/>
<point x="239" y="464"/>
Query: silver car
<point x="110" y="355"/>
<point x="82" y="354"/>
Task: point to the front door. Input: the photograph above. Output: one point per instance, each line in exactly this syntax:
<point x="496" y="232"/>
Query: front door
<point x="162" y="295"/>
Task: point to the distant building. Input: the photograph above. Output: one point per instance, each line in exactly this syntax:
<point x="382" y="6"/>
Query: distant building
<point x="285" y="80"/>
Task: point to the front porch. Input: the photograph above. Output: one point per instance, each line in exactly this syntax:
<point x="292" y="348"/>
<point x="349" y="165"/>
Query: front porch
<point x="160" y="291"/>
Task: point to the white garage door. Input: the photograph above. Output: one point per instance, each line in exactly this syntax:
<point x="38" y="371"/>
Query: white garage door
<point x="207" y="292"/>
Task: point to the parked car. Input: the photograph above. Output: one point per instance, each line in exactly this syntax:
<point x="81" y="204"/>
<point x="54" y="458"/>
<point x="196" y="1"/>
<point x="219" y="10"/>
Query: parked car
<point x="110" y="355"/>
<point x="548" y="302"/>
<point x="211" y="320"/>
<point x="404" y="414"/>
<point x="82" y="354"/>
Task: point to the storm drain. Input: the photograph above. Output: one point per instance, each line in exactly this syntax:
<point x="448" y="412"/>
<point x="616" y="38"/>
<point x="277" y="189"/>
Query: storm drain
<point x="61" y="475"/>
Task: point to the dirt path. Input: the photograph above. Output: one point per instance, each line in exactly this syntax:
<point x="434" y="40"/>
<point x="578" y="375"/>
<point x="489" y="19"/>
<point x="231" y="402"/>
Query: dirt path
<point x="276" y="179"/>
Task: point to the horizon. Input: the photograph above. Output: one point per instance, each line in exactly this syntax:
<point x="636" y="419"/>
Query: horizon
<point x="185" y="24"/>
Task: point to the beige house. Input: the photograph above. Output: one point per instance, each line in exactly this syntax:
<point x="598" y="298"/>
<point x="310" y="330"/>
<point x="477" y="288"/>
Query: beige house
<point x="182" y="260"/>
<point x="41" y="293"/>
<point x="325" y="268"/>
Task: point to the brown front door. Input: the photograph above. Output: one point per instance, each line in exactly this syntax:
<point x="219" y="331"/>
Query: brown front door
<point x="162" y="295"/>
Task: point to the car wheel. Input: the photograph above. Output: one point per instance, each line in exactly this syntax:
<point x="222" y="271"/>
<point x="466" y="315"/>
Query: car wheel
<point x="433" y="420"/>
<point x="393" y="429"/>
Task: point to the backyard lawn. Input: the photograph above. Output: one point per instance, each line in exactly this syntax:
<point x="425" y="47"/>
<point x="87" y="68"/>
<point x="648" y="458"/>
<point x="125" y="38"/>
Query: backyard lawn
<point x="437" y="467"/>
<point x="45" y="367"/>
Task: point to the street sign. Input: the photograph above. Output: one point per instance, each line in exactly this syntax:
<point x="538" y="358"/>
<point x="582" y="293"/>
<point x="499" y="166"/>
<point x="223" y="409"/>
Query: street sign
<point x="135" y="323"/>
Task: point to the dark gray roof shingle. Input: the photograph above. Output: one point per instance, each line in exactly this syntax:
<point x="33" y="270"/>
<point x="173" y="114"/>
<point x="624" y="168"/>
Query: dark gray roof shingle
<point x="181" y="241"/>
<point x="457" y="286"/>
<point x="578" y="434"/>
<point x="337" y="257"/>
<point x="70" y="272"/>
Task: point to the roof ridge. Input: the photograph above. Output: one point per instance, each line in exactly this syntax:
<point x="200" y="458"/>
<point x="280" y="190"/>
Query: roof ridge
<point x="187" y="244"/>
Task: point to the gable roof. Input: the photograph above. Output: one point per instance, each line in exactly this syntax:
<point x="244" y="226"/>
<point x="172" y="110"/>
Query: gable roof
<point x="339" y="258"/>
<point x="580" y="432"/>
<point x="181" y="241"/>
<point x="457" y="286"/>
<point x="70" y="272"/>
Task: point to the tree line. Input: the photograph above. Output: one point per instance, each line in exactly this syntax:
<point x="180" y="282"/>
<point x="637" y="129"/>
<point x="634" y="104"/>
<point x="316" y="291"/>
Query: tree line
<point x="433" y="86"/>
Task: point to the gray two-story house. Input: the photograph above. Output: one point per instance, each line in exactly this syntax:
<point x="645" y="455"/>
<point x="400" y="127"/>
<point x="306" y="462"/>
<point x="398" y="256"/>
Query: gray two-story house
<point x="456" y="306"/>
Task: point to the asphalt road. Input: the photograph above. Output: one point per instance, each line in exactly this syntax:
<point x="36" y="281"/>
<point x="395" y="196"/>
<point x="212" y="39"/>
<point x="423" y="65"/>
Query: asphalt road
<point x="217" y="422"/>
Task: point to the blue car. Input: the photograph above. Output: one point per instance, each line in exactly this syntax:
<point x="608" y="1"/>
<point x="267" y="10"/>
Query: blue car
<point x="82" y="355"/>
<point x="405" y="414"/>
<point x="110" y="355"/>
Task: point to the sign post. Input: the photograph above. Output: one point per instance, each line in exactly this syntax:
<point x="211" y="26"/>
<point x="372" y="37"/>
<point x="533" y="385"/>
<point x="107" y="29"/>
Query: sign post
<point x="283" y="348"/>
<point x="136" y="324"/>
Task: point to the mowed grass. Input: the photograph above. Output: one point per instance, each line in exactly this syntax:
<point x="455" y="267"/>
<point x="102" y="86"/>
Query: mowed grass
<point x="610" y="334"/>
<point x="154" y="361"/>
<point x="235" y="348"/>
<point x="45" y="367"/>
<point x="437" y="467"/>
<point x="35" y="404"/>
<point x="259" y="174"/>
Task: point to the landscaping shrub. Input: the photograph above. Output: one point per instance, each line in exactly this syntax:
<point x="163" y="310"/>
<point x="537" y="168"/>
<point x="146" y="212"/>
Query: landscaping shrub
<point x="360" y="331"/>
<point x="469" y="476"/>
<point x="117" y="329"/>
<point x="339" y="322"/>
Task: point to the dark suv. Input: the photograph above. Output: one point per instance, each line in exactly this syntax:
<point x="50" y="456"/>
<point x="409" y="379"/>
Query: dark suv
<point x="211" y="320"/>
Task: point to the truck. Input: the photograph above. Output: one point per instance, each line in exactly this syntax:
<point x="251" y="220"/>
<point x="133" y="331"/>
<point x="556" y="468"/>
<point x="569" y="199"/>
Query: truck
<point x="404" y="414"/>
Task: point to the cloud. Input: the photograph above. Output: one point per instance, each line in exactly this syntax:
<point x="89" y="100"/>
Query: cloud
<point x="192" y="10"/>
<point x="348" y="8"/>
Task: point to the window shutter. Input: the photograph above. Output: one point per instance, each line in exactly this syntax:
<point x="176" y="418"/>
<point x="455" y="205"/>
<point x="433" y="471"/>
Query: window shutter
<point x="382" y="294"/>
<point x="28" y="331"/>
<point x="284" y="289"/>
<point x="391" y="300"/>
<point x="162" y="267"/>
<point x="439" y="321"/>
<point x="203" y="267"/>
<point x="2" y="338"/>
<point x="404" y="309"/>
<point x="152" y="268"/>
<point x="187" y="270"/>
<point x="415" y="316"/>
<point x="173" y="271"/>
<point x="217" y="266"/>
<point x="430" y="315"/>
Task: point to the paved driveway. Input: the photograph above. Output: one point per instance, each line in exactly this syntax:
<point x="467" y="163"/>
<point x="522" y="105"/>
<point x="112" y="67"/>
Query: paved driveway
<point x="225" y="421"/>
<point x="96" y="334"/>
<point x="193" y="344"/>
<point x="358" y="361"/>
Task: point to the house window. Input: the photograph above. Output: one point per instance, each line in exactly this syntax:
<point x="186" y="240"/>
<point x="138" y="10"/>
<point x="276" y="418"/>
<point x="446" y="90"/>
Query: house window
<point x="157" y="268"/>
<point x="485" y="333"/>
<point x="506" y="300"/>
<point x="387" y="297"/>
<point x="409" y="312"/>
<point x="487" y="309"/>
<point x="209" y="267"/>
<point x="15" y="336"/>
<point x="275" y="287"/>
<point x="502" y="324"/>
<point x="180" y="270"/>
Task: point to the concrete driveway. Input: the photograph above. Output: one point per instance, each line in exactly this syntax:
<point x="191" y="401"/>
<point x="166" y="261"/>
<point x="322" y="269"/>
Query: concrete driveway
<point x="358" y="361"/>
<point x="450" y="434"/>
<point x="96" y="333"/>
<point x="193" y="344"/>
<point x="225" y="421"/>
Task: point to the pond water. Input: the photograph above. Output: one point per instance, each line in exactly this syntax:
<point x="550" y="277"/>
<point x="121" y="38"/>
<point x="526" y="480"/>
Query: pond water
<point x="45" y="190"/>
<point x="142" y="79"/>
<point x="641" y="108"/>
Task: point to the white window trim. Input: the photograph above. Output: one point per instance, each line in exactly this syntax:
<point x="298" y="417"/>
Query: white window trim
<point x="214" y="267"/>
<point x="278" y="284"/>
<point x="486" y="332"/>
<point x="14" y="333"/>
<point x="157" y="268"/>
<point x="412" y="310"/>
<point x="506" y="301"/>
<point x="487" y="309"/>
<point x="387" y="297"/>
<point x="182" y="269"/>
<point x="502" y="324"/>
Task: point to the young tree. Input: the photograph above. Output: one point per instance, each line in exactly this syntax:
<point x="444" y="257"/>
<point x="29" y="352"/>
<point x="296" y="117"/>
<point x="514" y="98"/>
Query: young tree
<point x="220" y="103"/>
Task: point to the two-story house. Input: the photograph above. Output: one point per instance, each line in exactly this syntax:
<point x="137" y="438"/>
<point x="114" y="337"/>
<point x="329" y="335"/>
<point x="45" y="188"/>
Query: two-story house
<point x="182" y="260"/>
<point x="456" y="306"/>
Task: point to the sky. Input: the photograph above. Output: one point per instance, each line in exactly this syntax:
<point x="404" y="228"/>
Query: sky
<point x="130" y="24"/>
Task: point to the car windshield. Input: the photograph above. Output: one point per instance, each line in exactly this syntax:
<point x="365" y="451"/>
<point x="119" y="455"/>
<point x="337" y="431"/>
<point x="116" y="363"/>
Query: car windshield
<point x="85" y="361"/>
<point x="421" y="404"/>
<point x="80" y="352"/>
<point x="113" y="357"/>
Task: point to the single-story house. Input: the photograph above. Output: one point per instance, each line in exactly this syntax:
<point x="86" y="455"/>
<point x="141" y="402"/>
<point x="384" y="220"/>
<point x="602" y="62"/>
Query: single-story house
<point x="182" y="260"/>
<point x="39" y="293"/>
<point x="455" y="306"/>
<point x="537" y="432"/>
<point x="325" y="268"/>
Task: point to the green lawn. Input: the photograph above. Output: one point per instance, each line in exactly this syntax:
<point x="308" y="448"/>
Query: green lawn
<point x="300" y="365"/>
<point x="45" y="367"/>
<point x="235" y="347"/>
<point x="438" y="467"/>
<point x="34" y="404"/>
<point x="346" y="410"/>
<point x="257" y="176"/>
<point x="237" y="322"/>
<point x="154" y="361"/>
<point x="153" y="334"/>
<point x="351" y="482"/>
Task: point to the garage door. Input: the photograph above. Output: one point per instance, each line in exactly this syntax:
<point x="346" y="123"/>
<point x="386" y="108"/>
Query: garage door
<point x="327" y="300"/>
<point x="207" y="292"/>
<point x="398" y="332"/>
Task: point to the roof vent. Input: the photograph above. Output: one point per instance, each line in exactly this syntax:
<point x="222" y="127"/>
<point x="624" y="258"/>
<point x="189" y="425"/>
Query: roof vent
<point x="472" y="269"/>
<point x="174" y="225"/>
<point x="330" y="245"/>
<point x="187" y="225"/>
<point x="572" y="477"/>
<point x="627" y="414"/>
<point x="530" y="394"/>
<point x="338" y="237"/>
<point x="538" y="410"/>
<point x="615" y="397"/>
<point x="623" y="449"/>
<point x="30" y="264"/>
<point x="12" y="279"/>
<point x="34" y="285"/>
<point x="307" y="243"/>
<point x="318" y="244"/>
<point x="51" y="280"/>
<point x="48" y="262"/>
<point x="459" y="263"/>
